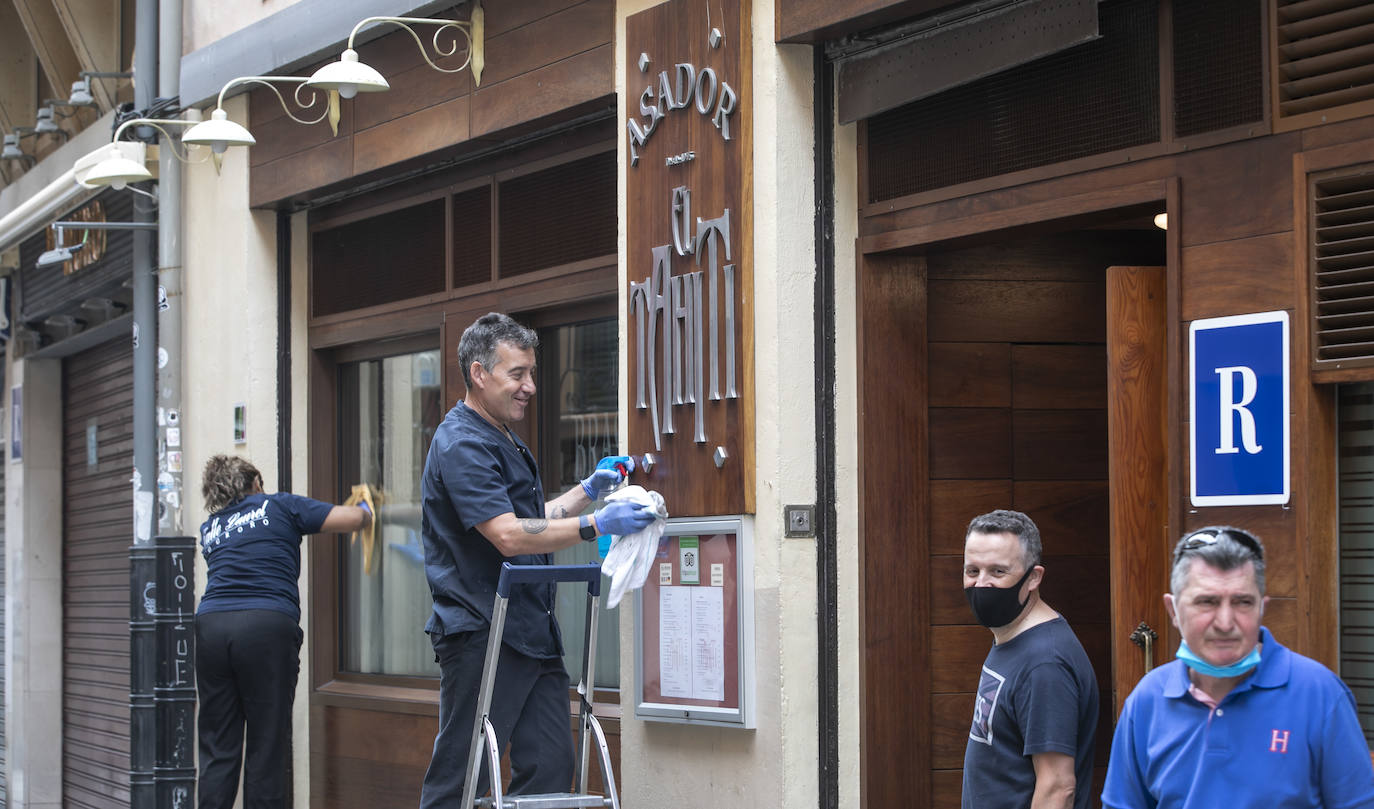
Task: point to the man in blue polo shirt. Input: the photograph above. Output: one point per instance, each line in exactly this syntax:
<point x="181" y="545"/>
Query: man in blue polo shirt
<point x="483" y="504"/>
<point x="1237" y="720"/>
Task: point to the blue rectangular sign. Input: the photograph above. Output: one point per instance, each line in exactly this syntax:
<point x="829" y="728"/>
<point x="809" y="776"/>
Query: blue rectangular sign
<point x="1238" y="410"/>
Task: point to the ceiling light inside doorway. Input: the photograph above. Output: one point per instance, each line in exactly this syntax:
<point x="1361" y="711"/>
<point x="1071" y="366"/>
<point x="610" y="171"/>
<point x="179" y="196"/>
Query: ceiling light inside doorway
<point x="1162" y="221"/>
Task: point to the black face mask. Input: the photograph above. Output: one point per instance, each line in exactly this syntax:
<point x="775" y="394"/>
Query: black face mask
<point x="997" y="606"/>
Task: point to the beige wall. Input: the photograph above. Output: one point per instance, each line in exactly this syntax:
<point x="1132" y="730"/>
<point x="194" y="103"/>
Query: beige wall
<point x="229" y="356"/>
<point x="673" y="765"/>
<point x="209" y="20"/>
<point x="847" y="457"/>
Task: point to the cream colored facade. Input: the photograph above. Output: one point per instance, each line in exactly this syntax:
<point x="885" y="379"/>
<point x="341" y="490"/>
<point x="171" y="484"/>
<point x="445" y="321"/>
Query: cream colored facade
<point x="229" y="355"/>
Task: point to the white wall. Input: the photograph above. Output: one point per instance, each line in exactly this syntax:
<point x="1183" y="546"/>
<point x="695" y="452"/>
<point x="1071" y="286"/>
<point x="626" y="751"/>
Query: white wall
<point x="850" y="608"/>
<point x="668" y="765"/>
<point x="229" y="356"/>
<point x="208" y="20"/>
<point x="33" y="590"/>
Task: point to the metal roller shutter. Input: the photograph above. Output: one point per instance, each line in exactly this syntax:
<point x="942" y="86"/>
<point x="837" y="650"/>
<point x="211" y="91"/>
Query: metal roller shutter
<point x="97" y="520"/>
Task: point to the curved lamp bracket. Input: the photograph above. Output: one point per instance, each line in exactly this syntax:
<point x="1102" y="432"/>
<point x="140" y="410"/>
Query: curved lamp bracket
<point x="473" y="30"/>
<point x="302" y="102"/>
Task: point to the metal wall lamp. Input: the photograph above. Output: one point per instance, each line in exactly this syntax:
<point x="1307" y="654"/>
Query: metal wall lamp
<point x="219" y="132"/>
<point x="11" y="150"/>
<point x="117" y="171"/>
<point x="64" y="253"/>
<point x="348" y="76"/>
<point x="81" y="89"/>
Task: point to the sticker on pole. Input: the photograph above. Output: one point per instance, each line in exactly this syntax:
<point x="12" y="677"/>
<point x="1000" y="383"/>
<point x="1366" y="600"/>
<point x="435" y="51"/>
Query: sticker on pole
<point x="1238" y="436"/>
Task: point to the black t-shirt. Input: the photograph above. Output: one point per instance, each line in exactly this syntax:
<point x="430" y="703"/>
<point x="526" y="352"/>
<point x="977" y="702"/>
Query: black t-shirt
<point x="252" y="551"/>
<point x="1037" y="694"/>
<point x="475" y="472"/>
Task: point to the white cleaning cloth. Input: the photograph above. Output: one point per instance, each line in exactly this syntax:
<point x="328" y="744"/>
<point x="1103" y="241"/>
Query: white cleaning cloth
<point x="630" y="557"/>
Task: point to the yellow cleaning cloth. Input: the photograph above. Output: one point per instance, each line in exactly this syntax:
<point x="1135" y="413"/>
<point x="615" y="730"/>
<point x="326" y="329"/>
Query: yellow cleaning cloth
<point x="364" y="493"/>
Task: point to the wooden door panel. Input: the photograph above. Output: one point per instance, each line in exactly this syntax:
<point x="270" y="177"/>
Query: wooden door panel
<point x="1059" y="377"/>
<point x="951" y="716"/>
<point x="968" y="442"/>
<point x="1069" y="513"/>
<point x="1138" y="447"/>
<point x="1059" y="444"/>
<point x="962" y="649"/>
<point x="954" y="502"/>
<point x="970" y="375"/>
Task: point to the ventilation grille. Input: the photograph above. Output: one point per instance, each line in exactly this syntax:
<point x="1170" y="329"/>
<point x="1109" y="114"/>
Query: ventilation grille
<point x="472" y="237"/>
<point x="1326" y="54"/>
<point x="557" y="216"/>
<point x="1093" y="98"/>
<point x="1218" y="65"/>
<point x="386" y="258"/>
<point x="1343" y="268"/>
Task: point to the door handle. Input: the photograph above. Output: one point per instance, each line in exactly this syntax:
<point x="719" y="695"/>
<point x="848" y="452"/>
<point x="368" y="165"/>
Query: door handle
<point x="1145" y="637"/>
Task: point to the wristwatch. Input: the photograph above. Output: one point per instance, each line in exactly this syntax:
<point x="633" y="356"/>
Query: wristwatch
<point x="585" y="529"/>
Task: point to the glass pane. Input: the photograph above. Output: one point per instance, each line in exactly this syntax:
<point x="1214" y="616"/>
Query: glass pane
<point x="388" y="411"/>
<point x="578" y="405"/>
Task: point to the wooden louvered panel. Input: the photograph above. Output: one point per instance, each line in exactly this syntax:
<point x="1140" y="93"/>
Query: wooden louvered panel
<point x="1342" y="267"/>
<point x="1325" y="57"/>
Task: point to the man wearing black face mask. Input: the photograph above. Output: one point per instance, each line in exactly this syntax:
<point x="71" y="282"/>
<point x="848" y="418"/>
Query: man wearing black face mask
<point x="1035" y="713"/>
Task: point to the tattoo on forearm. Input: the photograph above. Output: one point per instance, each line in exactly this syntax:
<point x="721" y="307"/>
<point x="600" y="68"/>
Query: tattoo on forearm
<point x="558" y="512"/>
<point x="533" y="525"/>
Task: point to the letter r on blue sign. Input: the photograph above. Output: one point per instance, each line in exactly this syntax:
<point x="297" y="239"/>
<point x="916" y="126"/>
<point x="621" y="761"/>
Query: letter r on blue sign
<point x="1231" y="409"/>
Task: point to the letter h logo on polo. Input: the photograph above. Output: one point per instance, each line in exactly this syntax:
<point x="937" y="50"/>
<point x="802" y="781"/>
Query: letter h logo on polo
<point x="1278" y="741"/>
<point x="1238" y="434"/>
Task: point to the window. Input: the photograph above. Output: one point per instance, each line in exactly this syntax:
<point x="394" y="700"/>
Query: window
<point x="388" y="411"/>
<point x="578" y="366"/>
<point x="1355" y="413"/>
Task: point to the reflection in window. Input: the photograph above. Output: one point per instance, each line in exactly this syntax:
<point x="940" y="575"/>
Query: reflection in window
<point x="388" y="411"/>
<point x="578" y="368"/>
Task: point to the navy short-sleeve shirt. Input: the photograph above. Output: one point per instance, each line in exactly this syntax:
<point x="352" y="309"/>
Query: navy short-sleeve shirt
<point x="252" y="551"/>
<point x="475" y="472"/>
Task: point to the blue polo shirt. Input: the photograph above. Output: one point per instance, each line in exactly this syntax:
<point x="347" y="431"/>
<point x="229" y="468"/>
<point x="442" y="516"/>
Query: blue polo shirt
<point x="475" y="472"/>
<point x="252" y="550"/>
<point x="1286" y="736"/>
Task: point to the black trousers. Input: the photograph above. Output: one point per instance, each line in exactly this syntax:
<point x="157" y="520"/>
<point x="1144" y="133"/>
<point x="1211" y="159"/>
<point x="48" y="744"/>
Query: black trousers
<point x="247" y="662"/>
<point x="529" y="712"/>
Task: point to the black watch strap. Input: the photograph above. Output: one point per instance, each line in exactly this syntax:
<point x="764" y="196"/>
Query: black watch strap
<point x="585" y="529"/>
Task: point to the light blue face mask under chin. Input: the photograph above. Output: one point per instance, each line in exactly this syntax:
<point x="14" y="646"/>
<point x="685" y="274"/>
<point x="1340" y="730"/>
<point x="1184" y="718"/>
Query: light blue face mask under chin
<point x="1236" y="669"/>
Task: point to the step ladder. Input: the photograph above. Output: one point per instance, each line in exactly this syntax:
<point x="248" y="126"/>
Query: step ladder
<point x="484" y="743"/>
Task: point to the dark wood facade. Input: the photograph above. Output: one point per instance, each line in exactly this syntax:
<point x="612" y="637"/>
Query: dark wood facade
<point x="547" y="62"/>
<point x="996" y="410"/>
<point x="435" y="158"/>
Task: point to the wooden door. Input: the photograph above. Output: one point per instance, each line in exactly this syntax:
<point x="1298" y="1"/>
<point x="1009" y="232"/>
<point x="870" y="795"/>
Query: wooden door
<point x="1137" y="392"/>
<point x="1001" y="401"/>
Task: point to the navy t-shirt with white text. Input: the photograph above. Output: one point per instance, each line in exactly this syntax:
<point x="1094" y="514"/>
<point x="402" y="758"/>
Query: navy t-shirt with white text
<point x="252" y="551"/>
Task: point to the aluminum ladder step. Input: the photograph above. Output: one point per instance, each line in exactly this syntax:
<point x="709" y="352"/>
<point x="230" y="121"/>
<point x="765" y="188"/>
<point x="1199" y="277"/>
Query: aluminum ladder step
<point x="547" y="800"/>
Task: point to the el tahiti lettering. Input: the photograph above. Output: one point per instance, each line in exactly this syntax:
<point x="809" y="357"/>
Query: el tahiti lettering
<point x="667" y="312"/>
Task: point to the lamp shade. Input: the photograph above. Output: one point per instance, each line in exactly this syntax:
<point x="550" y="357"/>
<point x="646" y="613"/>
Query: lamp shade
<point x="81" y="94"/>
<point x="219" y="133"/>
<point x="348" y="77"/>
<point x="12" y="150"/>
<point x="45" y="124"/>
<point x="117" y="172"/>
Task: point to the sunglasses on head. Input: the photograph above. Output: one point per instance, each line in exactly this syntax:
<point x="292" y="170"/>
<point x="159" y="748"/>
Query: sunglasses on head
<point x="1210" y="536"/>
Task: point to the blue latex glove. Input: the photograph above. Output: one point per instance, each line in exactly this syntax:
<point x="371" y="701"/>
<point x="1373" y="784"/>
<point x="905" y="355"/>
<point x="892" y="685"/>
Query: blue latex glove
<point x="621" y="517"/>
<point x="609" y="473"/>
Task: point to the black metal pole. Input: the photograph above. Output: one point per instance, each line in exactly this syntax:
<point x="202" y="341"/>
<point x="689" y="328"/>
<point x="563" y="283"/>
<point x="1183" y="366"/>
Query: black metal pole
<point x="827" y="615"/>
<point x="175" y="774"/>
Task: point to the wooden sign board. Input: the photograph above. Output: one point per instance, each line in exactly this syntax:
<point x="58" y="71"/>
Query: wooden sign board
<point x="690" y="253"/>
